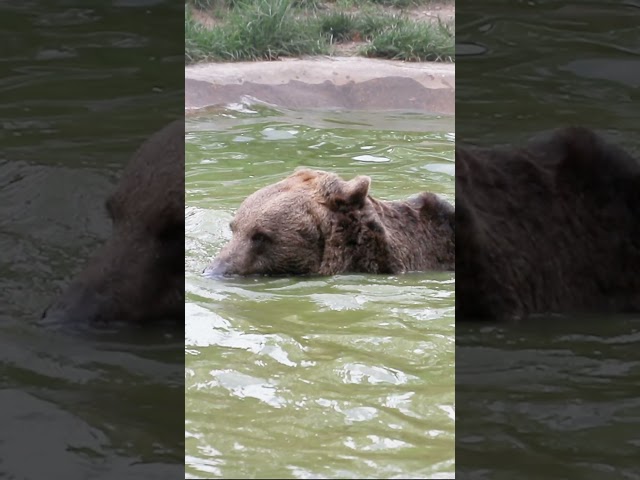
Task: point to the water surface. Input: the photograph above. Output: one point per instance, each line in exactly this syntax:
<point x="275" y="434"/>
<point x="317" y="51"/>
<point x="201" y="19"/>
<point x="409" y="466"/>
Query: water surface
<point x="350" y="376"/>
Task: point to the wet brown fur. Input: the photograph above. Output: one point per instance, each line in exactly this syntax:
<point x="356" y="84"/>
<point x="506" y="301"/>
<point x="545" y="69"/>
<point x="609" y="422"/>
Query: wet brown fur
<point x="314" y="222"/>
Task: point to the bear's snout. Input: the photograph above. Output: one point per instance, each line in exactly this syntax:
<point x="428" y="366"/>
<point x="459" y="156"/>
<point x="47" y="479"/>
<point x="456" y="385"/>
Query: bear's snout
<point x="78" y="306"/>
<point x="218" y="268"/>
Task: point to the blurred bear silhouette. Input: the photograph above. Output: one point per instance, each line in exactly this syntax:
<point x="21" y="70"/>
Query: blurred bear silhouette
<point x="138" y="274"/>
<point x="552" y="226"/>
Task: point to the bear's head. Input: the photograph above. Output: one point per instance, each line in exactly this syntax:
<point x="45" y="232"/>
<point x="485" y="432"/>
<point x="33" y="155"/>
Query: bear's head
<point x="138" y="274"/>
<point x="285" y="228"/>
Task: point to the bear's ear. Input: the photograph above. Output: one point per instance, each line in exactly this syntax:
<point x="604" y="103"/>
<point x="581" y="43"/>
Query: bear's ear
<point x="305" y="174"/>
<point x="340" y="195"/>
<point x="355" y="191"/>
<point x="349" y="195"/>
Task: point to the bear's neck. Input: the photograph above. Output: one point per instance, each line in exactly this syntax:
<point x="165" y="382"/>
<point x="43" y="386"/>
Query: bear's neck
<point x="388" y="238"/>
<point x="416" y="243"/>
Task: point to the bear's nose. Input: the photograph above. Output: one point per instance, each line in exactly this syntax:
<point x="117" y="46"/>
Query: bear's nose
<point x="218" y="268"/>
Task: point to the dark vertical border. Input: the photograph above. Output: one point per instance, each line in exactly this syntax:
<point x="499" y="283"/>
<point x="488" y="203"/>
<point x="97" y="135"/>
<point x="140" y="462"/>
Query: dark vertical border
<point x="547" y="226"/>
<point x="105" y="78"/>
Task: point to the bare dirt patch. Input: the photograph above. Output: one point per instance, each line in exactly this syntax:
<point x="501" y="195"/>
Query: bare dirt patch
<point x="205" y="19"/>
<point x="444" y="12"/>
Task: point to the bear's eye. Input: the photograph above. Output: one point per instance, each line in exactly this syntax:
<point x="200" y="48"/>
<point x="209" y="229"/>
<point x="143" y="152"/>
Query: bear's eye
<point x="232" y="226"/>
<point x="260" y="237"/>
<point x="306" y="234"/>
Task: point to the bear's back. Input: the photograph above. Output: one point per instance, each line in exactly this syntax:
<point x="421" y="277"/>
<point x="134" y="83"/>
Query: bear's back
<point x="552" y="226"/>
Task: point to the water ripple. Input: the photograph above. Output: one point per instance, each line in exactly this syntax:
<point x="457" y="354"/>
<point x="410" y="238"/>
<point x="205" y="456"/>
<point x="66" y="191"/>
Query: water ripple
<point x="284" y="373"/>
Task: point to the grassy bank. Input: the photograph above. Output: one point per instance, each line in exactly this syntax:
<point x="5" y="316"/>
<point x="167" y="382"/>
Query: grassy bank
<point x="234" y="30"/>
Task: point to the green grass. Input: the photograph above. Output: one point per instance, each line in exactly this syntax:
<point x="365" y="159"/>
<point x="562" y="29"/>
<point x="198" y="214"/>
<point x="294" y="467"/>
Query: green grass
<point x="262" y="30"/>
<point x="399" y="4"/>
<point x="414" y="42"/>
<point x="214" y="4"/>
<point x="341" y="26"/>
<point x="270" y="29"/>
<point x="210" y="5"/>
<point x="202" y="4"/>
<point x="396" y="3"/>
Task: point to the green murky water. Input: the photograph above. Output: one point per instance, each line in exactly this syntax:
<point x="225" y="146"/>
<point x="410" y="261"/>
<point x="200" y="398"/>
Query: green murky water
<point x="343" y="377"/>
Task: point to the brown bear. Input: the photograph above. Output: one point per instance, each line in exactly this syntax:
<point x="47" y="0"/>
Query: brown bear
<point x="313" y="222"/>
<point x="553" y="226"/>
<point x="138" y="275"/>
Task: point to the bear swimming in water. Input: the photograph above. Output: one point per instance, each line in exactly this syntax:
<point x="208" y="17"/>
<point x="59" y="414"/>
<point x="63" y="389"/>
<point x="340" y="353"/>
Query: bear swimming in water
<point x="313" y="222"/>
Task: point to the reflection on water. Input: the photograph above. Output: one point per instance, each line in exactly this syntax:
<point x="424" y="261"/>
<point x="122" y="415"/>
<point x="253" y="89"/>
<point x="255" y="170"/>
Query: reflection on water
<point x="553" y="398"/>
<point x="560" y="394"/>
<point x="343" y="377"/>
<point x="96" y="406"/>
<point x="547" y="64"/>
